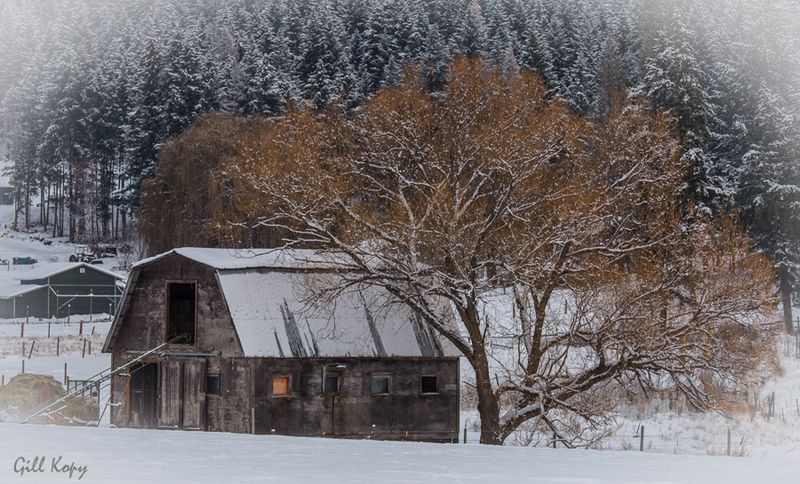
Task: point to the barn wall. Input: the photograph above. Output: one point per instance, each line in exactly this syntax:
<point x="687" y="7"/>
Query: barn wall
<point x="246" y="383"/>
<point x="246" y="390"/>
<point x="232" y="410"/>
<point x="143" y="326"/>
<point x="355" y="412"/>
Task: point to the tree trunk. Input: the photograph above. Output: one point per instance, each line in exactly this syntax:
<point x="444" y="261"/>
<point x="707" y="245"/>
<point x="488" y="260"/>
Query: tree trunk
<point x="786" y="298"/>
<point x="488" y="406"/>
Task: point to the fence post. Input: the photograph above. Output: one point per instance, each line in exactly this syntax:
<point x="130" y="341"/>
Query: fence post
<point x="641" y="438"/>
<point x="83" y="353"/>
<point x="555" y="440"/>
<point x="48" y="328"/>
<point x="729" y="441"/>
<point x="66" y="380"/>
<point x="465" y="432"/>
<point x="22" y="329"/>
<point x="33" y="345"/>
<point x="80" y="329"/>
<point x="23" y="349"/>
<point x="772" y="405"/>
<point x="23" y="367"/>
<point x="58" y="345"/>
<point x="90" y="347"/>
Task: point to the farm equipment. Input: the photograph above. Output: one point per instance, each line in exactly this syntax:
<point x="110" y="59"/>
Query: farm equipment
<point x="82" y="253"/>
<point x="93" y="254"/>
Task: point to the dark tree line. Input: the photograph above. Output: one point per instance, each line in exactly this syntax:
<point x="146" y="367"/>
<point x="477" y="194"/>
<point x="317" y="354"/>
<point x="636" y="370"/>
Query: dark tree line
<point x="91" y="89"/>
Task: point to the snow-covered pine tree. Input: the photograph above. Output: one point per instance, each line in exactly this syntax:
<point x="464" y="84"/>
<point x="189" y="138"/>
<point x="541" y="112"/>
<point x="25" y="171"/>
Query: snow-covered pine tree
<point x="471" y="37"/>
<point x="675" y="80"/>
<point x="768" y="190"/>
<point x="324" y="66"/>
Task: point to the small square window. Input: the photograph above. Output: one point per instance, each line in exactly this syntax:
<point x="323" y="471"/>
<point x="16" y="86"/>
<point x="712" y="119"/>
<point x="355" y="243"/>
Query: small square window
<point x="280" y="385"/>
<point x="212" y="384"/>
<point x="332" y="381"/>
<point x="429" y="384"/>
<point x="381" y="384"/>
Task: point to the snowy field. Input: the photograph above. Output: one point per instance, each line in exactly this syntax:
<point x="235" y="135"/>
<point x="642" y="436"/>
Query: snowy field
<point x="755" y="433"/>
<point x="18" y="244"/>
<point x="133" y="456"/>
<point x="768" y="449"/>
<point x="43" y="359"/>
<point x="758" y="433"/>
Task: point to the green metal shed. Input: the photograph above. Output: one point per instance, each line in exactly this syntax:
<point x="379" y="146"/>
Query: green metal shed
<point x="60" y="290"/>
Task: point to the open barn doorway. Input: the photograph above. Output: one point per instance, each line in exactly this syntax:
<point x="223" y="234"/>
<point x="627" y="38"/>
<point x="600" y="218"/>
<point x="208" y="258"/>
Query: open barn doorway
<point x="181" y="312"/>
<point x="143" y="396"/>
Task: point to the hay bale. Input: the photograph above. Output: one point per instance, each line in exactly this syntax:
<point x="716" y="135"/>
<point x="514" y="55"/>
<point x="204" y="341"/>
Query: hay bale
<point x="26" y="392"/>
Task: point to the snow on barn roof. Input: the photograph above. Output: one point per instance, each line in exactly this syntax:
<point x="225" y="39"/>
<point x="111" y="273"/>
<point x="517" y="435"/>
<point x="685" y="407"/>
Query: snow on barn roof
<point x="276" y="302"/>
<point x="43" y="271"/>
<point x="283" y="314"/>
<point x="227" y="259"/>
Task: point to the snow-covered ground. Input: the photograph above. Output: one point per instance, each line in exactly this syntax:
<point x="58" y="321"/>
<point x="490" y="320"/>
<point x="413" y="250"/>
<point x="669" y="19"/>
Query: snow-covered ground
<point x="80" y="365"/>
<point x="19" y="244"/>
<point x="757" y="433"/>
<point x="43" y="360"/>
<point x="38" y="245"/>
<point x="160" y="456"/>
<point x="770" y="446"/>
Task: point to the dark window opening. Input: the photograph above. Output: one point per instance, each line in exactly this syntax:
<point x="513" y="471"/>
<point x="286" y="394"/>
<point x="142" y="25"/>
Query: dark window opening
<point x="429" y="384"/>
<point x="332" y="381"/>
<point x="381" y="384"/>
<point x="181" y="312"/>
<point x="212" y="384"/>
<point x="281" y="385"/>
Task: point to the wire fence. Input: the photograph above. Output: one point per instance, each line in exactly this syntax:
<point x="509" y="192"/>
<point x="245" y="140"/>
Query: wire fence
<point x="761" y="418"/>
<point x="684" y="437"/>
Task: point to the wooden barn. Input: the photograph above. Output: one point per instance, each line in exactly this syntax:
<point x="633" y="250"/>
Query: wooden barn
<point x="252" y="350"/>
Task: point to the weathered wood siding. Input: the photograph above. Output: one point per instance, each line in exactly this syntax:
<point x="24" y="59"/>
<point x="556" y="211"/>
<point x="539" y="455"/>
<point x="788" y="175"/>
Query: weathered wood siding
<point x="194" y="395"/>
<point x="236" y="402"/>
<point x="169" y="382"/>
<point x="403" y="414"/>
<point x="246" y="401"/>
<point x="143" y="326"/>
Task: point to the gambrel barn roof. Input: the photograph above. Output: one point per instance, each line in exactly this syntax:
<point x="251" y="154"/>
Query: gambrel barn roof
<point x="274" y="300"/>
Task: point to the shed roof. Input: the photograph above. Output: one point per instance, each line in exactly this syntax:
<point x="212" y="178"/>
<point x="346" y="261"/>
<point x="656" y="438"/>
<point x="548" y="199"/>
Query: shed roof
<point x="9" y="290"/>
<point x="43" y="271"/>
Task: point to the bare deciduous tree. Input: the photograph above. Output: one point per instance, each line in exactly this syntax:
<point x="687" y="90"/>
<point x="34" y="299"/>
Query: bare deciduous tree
<point x="554" y="239"/>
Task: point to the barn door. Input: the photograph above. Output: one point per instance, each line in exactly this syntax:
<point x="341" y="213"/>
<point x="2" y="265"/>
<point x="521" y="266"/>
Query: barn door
<point x="194" y="379"/>
<point x="170" y="394"/>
